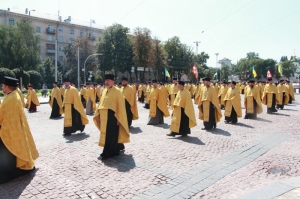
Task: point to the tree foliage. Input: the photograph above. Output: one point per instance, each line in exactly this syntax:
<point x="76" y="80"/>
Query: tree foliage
<point x="6" y="72"/>
<point x="25" y="76"/>
<point x="19" y="47"/>
<point x="49" y="68"/>
<point x="35" y="78"/>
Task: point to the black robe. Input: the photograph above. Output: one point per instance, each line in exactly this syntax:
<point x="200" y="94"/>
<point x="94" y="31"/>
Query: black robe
<point x="281" y="106"/>
<point x="83" y="101"/>
<point x="76" y="123"/>
<point x="158" y="119"/>
<point x="55" y="109"/>
<point x="128" y="113"/>
<point x="111" y="146"/>
<point x="212" y="121"/>
<point x="233" y="117"/>
<point x="8" y="169"/>
<point x="184" y="128"/>
<point x="272" y="109"/>
<point x="252" y="115"/>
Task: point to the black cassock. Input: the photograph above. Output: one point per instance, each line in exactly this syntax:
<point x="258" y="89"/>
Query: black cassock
<point x="272" y="109"/>
<point x="212" y="121"/>
<point x="83" y="101"/>
<point x="55" y="109"/>
<point x="184" y="128"/>
<point x="8" y="169"/>
<point x="252" y="115"/>
<point x="128" y="113"/>
<point x="76" y="123"/>
<point x="158" y="119"/>
<point x="111" y="146"/>
<point x="233" y="117"/>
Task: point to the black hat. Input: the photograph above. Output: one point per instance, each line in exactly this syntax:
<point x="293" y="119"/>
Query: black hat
<point x="206" y="79"/>
<point x="124" y="78"/>
<point x="110" y="76"/>
<point x="29" y="85"/>
<point x="282" y="80"/>
<point x="269" y="78"/>
<point x="66" y="80"/>
<point x="9" y="81"/>
<point x="224" y="82"/>
<point x="154" y="81"/>
<point x="54" y="82"/>
<point x="181" y="83"/>
<point x="81" y="84"/>
<point x="175" y="78"/>
<point x="149" y="82"/>
<point x="88" y="83"/>
<point x="233" y="82"/>
<point x="251" y="81"/>
<point x="288" y="81"/>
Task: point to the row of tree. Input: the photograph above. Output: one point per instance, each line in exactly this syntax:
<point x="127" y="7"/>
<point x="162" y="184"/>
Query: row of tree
<point x="119" y="51"/>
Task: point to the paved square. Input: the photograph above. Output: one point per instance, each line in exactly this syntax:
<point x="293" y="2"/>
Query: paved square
<point x="250" y="159"/>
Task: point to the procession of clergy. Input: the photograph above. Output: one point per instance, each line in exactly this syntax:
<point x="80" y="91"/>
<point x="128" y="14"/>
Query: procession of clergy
<point x="117" y="107"/>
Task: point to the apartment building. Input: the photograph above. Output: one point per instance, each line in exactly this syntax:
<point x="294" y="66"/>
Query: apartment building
<point x="52" y="28"/>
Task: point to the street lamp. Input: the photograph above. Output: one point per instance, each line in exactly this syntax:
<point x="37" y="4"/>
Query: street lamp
<point x="85" y="62"/>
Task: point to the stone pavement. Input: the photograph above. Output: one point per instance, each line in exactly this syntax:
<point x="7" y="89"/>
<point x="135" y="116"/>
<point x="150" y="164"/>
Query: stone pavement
<point x="251" y="159"/>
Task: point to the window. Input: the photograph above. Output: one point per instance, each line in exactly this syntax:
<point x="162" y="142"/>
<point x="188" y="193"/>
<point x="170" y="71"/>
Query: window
<point x="60" y="58"/>
<point x="72" y="31"/>
<point x="49" y="38"/>
<point x="60" y="48"/>
<point x="38" y="29"/>
<point x="49" y="27"/>
<point x="60" y="39"/>
<point x="81" y="33"/>
<point x="71" y="40"/>
<point x="61" y="29"/>
<point x="90" y="34"/>
<point x="11" y="21"/>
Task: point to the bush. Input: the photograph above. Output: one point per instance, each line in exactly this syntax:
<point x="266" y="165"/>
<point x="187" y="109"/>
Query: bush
<point x="35" y="78"/>
<point x="5" y="72"/>
<point x="26" y="76"/>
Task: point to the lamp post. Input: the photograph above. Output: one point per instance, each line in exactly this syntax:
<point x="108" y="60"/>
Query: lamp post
<point x="85" y="62"/>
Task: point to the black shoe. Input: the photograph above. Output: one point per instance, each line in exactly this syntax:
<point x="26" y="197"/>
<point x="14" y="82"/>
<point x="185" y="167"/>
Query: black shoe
<point x="105" y="158"/>
<point x="203" y="129"/>
<point x="66" y="134"/>
<point x="184" y="135"/>
<point x="171" y="134"/>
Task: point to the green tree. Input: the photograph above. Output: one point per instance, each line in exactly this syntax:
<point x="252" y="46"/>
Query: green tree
<point x="35" y="78"/>
<point x="252" y="55"/>
<point x="25" y="77"/>
<point x="49" y="71"/>
<point x="116" y="45"/>
<point x="202" y="59"/>
<point x="225" y="72"/>
<point x="157" y="60"/>
<point x="6" y="72"/>
<point x="288" y="68"/>
<point x="142" y="46"/>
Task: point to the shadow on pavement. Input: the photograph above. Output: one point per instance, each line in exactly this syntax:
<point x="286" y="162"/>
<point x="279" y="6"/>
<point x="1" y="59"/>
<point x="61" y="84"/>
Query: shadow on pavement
<point x="281" y="114"/>
<point x="57" y="118"/>
<point x="189" y="139"/>
<point x="126" y="160"/>
<point x="263" y="120"/>
<point x="76" y="137"/>
<point x="164" y="125"/>
<point x="243" y="125"/>
<point x="19" y="185"/>
<point x="220" y="132"/>
<point x="135" y="130"/>
<point x="287" y="109"/>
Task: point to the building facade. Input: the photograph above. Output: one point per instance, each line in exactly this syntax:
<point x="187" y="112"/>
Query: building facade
<point x="225" y="61"/>
<point x="51" y="29"/>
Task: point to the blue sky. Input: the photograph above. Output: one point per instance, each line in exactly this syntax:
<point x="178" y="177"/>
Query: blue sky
<point x="231" y="27"/>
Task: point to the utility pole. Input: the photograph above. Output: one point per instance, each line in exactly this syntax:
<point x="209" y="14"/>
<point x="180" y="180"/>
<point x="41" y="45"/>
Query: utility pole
<point x="197" y="42"/>
<point x="78" y="77"/>
<point x="217" y="64"/>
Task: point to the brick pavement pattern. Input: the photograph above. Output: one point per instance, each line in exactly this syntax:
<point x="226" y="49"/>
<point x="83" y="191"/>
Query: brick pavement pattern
<point x="250" y="159"/>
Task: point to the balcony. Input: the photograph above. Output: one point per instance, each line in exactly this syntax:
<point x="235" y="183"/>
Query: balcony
<point x="50" y="51"/>
<point x="50" y="31"/>
<point x="92" y="38"/>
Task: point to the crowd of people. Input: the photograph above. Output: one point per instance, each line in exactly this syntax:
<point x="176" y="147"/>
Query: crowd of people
<point x="114" y="107"/>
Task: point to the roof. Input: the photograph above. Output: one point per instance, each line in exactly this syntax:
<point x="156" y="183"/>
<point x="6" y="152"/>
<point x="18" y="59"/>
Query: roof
<point x="225" y="59"/>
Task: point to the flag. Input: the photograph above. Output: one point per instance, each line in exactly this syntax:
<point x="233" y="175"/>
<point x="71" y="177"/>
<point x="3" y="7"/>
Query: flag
<point x="195" y="71"/>
<point x="269" y="74"/>
<point x="216" y="74"/>
<point x="167" y="74"/>
<point x="280" y="70"/>
<point x="254" y="72"/>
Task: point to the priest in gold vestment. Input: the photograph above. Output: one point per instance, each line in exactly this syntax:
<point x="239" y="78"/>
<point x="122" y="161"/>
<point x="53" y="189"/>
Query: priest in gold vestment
<point x="291" y="91"/>
<point x="110" y="118"/>
<point x="32" y="100"/>
<point x="282" y="96"/>
<point x="269" y="96"/>
<point x="130" y="101"/>
<point x="17" y="147"/>
<point x="222" y="92"/>
<point x="183" y="116"/>
<point x="83" y="95"/>
<point x="148" y="89"/>
<point x="55" y="102"/>
<point x="232" y="100"/>
<point x="173" y="91"/>
<point x="91" y="100"/>
<point x="75" y="118"/>
<point x="208" y="105"/>
<point x="158" y="106"/>
<point x="252" y="101"/>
